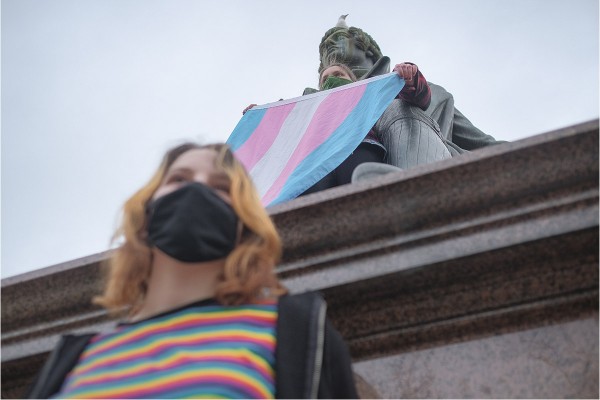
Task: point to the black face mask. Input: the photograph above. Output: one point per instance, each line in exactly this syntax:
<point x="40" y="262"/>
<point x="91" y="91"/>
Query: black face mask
<point x="192" y="224"/>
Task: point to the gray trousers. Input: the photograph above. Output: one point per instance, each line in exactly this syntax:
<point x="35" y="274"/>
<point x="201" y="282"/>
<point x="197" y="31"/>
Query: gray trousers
<point x="410" y="136"/>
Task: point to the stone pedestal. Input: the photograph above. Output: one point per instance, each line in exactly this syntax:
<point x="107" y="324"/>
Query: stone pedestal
<point x="474" y="277"/>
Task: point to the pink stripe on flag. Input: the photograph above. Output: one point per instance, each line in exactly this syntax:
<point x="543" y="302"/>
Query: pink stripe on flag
<point x="328" y="117"/>
<point x="264" y="135"/>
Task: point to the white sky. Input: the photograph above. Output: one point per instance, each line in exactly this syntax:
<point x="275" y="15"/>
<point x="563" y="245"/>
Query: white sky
<point x="94" y="91"/>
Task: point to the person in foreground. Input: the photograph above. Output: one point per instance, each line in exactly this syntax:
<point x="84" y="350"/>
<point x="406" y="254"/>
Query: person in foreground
<point x="206" y="315"/>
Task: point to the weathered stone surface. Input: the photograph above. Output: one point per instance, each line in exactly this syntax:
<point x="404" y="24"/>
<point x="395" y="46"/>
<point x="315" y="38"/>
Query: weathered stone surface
<point x="443" y="279"/>
<point x="548" y="362"/>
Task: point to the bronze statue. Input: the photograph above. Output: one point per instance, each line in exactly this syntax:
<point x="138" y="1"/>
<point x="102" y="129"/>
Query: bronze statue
<point x="355" y="48"/>
<point x="411" y="136"/>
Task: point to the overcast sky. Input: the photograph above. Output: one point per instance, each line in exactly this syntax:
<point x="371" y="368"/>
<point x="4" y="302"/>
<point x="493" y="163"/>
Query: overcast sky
<point x="94" y="91"/>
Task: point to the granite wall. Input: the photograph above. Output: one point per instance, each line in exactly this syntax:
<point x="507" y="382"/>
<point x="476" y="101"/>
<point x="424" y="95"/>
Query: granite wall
<point x="474" y="277"/>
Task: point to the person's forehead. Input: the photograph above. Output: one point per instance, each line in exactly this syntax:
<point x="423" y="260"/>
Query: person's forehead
<point x="335" y="68"/>
<point x="196" y="158"/>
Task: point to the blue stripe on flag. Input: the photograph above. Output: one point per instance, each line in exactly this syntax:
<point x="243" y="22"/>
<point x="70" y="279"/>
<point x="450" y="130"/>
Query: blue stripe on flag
<point x="344" y="140"/>
<point x="245" y="128"/>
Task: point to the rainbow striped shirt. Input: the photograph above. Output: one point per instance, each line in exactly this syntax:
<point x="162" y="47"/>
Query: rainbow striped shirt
<point x="200" y="350"/>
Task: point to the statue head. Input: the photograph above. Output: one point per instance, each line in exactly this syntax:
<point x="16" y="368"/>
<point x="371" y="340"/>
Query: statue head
<point x="353" y="47"/>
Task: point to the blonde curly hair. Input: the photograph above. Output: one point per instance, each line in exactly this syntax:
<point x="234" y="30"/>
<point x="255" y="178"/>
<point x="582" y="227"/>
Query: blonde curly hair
<point x="249" y="268"/>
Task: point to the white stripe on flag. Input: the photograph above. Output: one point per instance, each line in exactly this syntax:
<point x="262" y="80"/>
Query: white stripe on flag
<point x="266" y="171"/>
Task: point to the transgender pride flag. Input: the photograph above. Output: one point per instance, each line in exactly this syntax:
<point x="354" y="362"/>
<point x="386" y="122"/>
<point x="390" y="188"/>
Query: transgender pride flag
<point x="290" y="145"/>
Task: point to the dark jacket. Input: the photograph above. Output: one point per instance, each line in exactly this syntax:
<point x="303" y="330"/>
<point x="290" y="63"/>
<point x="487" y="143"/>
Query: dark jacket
<point x="311" y="358"/>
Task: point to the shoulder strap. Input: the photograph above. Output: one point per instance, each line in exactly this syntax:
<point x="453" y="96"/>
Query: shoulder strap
<point x="60" y="362"/>
<point x="296" y="353"/>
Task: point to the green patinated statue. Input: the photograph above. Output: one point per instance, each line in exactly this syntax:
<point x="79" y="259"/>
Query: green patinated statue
<point x="355" y="48"/>
<point x="411" y="136"/>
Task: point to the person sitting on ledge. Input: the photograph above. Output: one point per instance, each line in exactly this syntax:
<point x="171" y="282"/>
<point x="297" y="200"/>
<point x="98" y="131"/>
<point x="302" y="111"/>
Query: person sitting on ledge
<point x="206" y="313"/>
<point x="415" y="92"/>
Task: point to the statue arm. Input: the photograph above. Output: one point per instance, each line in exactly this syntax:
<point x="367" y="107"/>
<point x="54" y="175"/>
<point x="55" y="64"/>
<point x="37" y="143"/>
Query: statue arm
<point x="467" y="136"/>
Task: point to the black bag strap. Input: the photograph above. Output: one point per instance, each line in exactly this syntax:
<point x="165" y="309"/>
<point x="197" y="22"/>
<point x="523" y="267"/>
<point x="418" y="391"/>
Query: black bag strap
<point x="60" y="362"/>
<point x="297" y="341"/>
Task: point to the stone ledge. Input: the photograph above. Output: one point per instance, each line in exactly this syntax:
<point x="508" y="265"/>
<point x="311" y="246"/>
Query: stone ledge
<point x="494" y="241"/>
